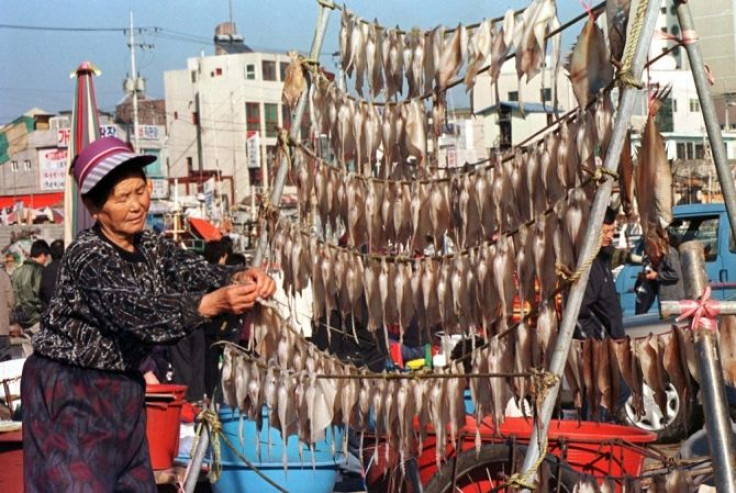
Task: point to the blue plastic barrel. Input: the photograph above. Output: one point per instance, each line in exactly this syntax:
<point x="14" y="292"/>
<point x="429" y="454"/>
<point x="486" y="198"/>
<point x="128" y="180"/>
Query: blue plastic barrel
<point x="300" y="476"/>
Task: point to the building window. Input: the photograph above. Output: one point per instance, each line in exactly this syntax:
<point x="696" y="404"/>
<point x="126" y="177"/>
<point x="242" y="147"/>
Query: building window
<point x="282" y="70"/>
<point x="13" y="166"/>
<point x="271" y="111"/>
<point x="250" y="72"/>
<point x="194" y="76"/>
<point x="218" y="71"/>
<point x="664" y="117"/>
<point x="699" y="151"/>
<point x="545" y="94"/>
<point x="269" y="70"/>
<point x="694" y="106"/>
<point x="27" y="165"/>
<point x="681" y="150"/>
<point x="253" y="117"/>
<point x="285" y="116"/>
<point x="513" y="95"/>
<point x="674" y="106"/>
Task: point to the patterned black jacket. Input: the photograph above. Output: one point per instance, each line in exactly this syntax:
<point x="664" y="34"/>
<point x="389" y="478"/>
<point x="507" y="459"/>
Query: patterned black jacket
<point x="112" y="306"/>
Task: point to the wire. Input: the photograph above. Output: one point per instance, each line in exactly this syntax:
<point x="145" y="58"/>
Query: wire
<point x="65" y="29"/>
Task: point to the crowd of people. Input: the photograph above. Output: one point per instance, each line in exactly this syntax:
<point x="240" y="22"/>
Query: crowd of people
<point x="25" y="291"/>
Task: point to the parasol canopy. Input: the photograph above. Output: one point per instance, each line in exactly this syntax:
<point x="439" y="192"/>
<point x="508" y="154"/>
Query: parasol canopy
<point x="85" y="129"/>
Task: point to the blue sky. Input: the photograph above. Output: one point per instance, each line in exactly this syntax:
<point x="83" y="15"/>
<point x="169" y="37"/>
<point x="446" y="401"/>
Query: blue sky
<point x="36" y="63"/>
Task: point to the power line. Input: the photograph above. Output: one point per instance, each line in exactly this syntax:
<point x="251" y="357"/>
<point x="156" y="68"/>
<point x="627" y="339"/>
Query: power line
<point x="68" y="29"/>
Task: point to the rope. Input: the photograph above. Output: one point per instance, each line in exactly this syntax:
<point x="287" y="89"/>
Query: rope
<point x="545" y="381"/>
<point x="208" y="417"/>
<point x="601" y="174"/>
<point x="526" y="479"/>
<point x="625" y="74"/>
<point x="575" y="276"/>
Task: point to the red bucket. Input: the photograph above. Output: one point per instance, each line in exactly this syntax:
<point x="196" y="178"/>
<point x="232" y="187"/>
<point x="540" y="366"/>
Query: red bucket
<point x="598" y="449"/>
<point x="163" y="415"/>
<point x="11" y="457"/>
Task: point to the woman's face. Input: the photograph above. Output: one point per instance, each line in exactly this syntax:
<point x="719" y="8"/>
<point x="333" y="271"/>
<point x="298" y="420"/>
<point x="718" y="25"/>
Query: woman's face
<point x="124" y="212"/>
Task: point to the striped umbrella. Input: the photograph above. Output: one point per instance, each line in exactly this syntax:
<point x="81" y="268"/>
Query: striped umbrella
<point x="85" y="129"/>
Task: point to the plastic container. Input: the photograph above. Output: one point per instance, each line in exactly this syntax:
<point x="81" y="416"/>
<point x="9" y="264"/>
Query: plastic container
<point x="300" y="476"/>
<point x="236" y="476"/>
<point x="592" y="448"/>
<point x="163" y="416"/>
<point x="11" y="457"/>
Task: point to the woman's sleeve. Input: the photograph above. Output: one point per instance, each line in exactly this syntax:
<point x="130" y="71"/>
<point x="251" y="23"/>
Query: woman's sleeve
<point x="186" y="270"/>
<point x="121" y="304"/>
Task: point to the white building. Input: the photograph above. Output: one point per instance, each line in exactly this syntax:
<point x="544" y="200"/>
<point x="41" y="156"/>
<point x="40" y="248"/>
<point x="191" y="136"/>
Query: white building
<point x="213" y="107"/>
<point x="680" y="120"/>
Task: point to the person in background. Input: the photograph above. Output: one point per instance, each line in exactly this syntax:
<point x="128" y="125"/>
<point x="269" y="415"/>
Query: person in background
<point x="6" y="305"/>
<point x="48" y="276"/>
<point x="600" y="315"/>
<point x="9" y="263"/>
<point x="189" y="356"/>
<point x="661" y="275"/>
<point x="600" y="312"/>
<point x="223" y="327"/>
<point x="121" y="290"/>
<point x="27" y="287"/>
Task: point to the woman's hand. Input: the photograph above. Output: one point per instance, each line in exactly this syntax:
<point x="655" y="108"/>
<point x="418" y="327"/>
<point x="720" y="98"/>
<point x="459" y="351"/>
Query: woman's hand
<point x="234" y="298"/>
<point x="265" y="285"/>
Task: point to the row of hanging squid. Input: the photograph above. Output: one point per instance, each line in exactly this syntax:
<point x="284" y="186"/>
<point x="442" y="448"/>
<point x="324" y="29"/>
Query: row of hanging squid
<point x="307" y="391"/>
<point x="429" y="61"/>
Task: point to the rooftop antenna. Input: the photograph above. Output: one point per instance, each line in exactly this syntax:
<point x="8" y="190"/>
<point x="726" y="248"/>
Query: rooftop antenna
<point x="230" y="6"/>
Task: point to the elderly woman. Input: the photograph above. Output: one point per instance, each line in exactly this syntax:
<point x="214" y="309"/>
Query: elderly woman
<point x="121" y="290"/>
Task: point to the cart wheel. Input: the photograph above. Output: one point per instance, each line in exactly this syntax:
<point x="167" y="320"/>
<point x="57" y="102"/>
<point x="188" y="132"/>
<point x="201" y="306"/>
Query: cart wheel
<point x="487" y="470"/>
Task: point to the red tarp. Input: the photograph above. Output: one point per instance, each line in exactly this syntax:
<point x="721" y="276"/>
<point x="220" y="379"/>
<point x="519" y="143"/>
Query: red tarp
<point x="204" y="229"/>
<point x="35" y="201"/>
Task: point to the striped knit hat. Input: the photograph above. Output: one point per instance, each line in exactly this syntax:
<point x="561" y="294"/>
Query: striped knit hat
<point x="102" y="156"/>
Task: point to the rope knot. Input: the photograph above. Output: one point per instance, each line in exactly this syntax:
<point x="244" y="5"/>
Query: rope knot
<point x="210" y="418"/>
<point x="703" y="311"/>
<point x="518" y="480"/>
<point x="544" y="381"/>
<point x="601" y="174"/>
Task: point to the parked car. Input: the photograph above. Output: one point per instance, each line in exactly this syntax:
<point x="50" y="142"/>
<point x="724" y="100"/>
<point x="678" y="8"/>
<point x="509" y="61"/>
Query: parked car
<point x="707" y="223"/>
<point x="674" y="425"/>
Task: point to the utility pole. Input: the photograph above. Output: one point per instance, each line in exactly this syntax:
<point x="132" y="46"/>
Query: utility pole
<point x="134" y="83"/>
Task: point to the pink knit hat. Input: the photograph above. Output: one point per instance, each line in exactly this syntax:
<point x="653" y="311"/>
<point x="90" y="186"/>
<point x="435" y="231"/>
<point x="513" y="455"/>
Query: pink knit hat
<point x="102" y="156"/>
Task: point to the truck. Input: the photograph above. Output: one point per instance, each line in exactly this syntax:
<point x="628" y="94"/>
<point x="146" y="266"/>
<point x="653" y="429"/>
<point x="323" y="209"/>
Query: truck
<point x="707" y="223"/>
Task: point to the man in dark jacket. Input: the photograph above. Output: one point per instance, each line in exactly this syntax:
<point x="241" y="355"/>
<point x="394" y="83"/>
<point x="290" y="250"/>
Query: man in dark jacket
<point x="48" y="276"/>
<point x="27" y="286"/>
<point x="600" y="312"/>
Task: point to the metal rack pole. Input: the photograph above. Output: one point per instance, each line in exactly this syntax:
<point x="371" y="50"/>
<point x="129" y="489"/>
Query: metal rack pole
<point x="598" y="210"/>
<point x="323" y="17"/>
<point x="715" y="404"/>
<point x="710" y="118"/>
<point x="296" y="123"/>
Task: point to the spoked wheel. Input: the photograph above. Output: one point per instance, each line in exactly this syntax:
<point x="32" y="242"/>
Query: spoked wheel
<point x="487" y="472"/>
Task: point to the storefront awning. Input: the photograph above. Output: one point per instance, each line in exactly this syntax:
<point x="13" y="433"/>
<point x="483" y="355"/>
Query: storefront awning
<point x="204" y="229"/>
<point x="34" y="201"/>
